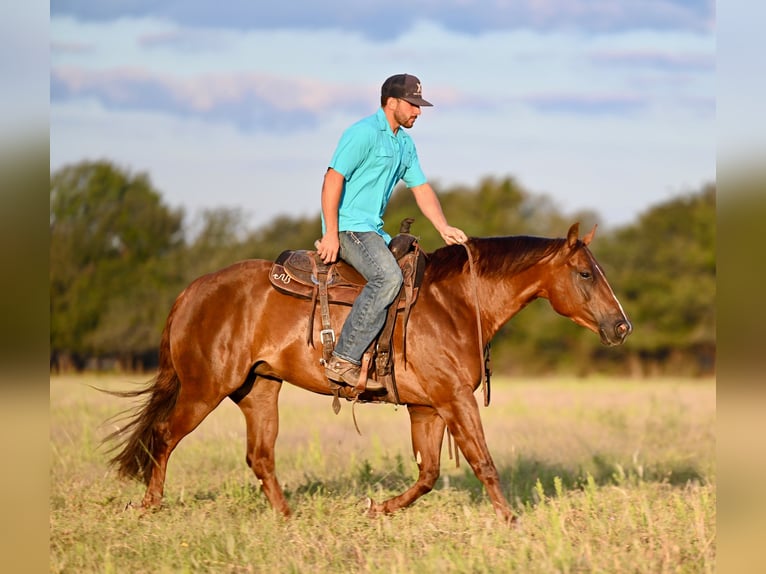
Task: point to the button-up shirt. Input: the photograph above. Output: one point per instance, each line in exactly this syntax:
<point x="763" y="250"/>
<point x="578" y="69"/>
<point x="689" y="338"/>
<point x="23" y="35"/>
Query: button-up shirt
<point x="372" y="160"/>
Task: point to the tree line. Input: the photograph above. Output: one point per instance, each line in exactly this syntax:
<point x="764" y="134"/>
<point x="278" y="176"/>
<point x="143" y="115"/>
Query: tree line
<point x="119" y="256"/>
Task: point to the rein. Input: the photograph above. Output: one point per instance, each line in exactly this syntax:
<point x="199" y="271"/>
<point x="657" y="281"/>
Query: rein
<point x="483" y="354"/>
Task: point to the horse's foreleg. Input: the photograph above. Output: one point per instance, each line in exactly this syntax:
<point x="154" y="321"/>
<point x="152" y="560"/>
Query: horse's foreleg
<point x="427" y="429"/>
<point x="463" y="420"/>
<point x="260" y="407"/>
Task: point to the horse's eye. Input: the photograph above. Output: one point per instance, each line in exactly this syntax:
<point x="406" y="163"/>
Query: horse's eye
<point x="585" y="274"/>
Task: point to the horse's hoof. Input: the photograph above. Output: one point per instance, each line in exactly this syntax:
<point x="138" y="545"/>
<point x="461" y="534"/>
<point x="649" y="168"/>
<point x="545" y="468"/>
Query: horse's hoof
<point x="371" y="508"/>
<point x="150" y="506"/>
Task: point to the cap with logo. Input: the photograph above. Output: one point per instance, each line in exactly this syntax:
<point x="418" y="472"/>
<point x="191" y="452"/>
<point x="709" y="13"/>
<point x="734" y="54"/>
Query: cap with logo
<point x="405" y="87"/>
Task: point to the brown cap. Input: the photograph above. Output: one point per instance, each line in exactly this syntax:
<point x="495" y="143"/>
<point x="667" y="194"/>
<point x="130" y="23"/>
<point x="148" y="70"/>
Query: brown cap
<point x="404" y="87"/>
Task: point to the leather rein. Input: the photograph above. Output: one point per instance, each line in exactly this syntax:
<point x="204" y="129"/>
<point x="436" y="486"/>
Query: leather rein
<point x="483" y="351"/>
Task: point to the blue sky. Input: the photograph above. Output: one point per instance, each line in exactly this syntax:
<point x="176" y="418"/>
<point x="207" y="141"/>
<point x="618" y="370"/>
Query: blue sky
<point x="602" y="105"/>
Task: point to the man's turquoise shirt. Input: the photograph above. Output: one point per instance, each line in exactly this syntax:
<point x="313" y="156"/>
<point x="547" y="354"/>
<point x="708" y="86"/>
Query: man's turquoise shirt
<point x="372" y="160"/>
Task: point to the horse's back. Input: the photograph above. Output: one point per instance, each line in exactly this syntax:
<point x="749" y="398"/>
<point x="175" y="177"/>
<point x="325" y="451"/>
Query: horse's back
<point x="236" y="280"/>
<point x="245" y="270"/>
<point x="225" y="301"/>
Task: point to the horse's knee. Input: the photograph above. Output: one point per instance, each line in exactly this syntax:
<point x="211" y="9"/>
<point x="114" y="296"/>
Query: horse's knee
<point x="262" y="467"/>
<point x="428" y="478"/>
<point x="486" y="471"/>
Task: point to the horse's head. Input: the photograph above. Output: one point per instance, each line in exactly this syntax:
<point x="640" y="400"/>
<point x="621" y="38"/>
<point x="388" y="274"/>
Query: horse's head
<point x="578" y="289"/>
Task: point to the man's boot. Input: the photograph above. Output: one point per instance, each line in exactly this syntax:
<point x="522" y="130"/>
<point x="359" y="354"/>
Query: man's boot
<point x="347" y="373"/>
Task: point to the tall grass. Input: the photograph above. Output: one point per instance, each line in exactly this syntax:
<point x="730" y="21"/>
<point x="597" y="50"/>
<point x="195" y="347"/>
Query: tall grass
<point x="606" y="476"/>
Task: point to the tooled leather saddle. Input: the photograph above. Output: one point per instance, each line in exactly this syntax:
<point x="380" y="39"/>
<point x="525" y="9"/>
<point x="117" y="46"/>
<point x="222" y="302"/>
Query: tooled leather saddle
<point x="302" y="274"/>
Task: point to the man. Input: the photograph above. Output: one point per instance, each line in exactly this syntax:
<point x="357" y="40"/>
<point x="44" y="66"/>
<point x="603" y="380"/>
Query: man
<point x="373" y="155"/>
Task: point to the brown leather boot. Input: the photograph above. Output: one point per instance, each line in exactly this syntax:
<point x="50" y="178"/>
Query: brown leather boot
<point x="347" y="373"/>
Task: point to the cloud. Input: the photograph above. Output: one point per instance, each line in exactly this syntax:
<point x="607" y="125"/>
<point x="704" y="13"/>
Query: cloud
<point x="262" y="102"/>
<point x="289" y="80"/>
<point x="252" y="102"/>
<point x="183" y="40"/>
<point x="671" y="62"/>
<point x="587" y="104"/>
<point x="378" y="21"/>
<point x="248" y="97"/>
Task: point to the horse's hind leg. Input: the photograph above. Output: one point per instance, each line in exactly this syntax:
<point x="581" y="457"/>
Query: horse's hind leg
<point x="189" y="411"/>
<point x="260" y="407"/>
<point x="427" y="429"/>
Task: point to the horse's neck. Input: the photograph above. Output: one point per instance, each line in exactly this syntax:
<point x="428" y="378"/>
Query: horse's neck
<point x="502" y="298"/>
<point x="498" y="298"/>
<point x="519" y="278"/>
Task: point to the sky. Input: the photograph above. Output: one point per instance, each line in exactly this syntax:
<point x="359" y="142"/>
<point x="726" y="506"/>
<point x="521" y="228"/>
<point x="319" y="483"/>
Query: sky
<point x="601" y="105"/>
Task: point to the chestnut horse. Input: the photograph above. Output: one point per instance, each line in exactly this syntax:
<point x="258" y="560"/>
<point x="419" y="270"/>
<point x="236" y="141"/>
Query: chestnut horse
<point x="231" y="334"/>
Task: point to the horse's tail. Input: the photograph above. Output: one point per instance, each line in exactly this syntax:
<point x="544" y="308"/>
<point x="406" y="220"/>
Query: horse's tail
<point x="136" y="439"/>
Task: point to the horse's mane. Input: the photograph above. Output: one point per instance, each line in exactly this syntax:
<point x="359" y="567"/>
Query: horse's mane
<point x="493" y="256"/>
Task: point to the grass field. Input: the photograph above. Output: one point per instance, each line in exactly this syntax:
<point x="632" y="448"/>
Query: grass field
<point x="605" y="475"/>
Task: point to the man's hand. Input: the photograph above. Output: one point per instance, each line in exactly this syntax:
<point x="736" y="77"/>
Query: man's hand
<point x="453" y="235"/>
<point x="328" y="248"/>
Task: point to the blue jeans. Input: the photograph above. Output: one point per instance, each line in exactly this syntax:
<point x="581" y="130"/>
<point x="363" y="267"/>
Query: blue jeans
<point x="369" y="254"/>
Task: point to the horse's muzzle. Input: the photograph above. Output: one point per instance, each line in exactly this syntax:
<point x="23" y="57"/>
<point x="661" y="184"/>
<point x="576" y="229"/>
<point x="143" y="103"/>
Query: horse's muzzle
<point x="615" y="334"/>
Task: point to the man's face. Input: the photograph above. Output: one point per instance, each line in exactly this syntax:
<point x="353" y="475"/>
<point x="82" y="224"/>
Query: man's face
<point x="406" y="113"/>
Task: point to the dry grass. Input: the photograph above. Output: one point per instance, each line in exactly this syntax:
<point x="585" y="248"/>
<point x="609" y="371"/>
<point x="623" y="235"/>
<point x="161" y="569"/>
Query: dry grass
<point x="607" y="476"/>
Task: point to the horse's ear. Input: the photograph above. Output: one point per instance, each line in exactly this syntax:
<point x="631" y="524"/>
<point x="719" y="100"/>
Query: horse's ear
<point x="588" y="238"/>
<point x="573" y="234"/>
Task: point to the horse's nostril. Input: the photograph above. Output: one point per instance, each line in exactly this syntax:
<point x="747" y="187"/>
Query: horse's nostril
<point x="623" y="328"/>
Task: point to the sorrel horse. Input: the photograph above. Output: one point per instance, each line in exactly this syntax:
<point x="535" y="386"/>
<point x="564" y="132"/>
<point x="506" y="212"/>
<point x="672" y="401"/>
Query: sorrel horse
<point x="231" y="334"/>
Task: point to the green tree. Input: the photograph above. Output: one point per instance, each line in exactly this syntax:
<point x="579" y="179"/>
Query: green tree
<point x="217" y="238"/>
<point x="109" y="236"/>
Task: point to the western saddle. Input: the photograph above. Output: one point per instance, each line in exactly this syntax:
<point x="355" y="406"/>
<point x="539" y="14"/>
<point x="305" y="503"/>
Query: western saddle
<point x="302" y="274"/>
